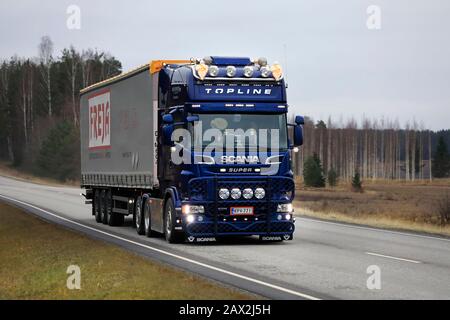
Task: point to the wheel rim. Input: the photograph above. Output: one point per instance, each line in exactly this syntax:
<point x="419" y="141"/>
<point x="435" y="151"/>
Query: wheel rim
<point x="138" y="214"/>
<point x="169" y="220"/>
<point x="108" y="205"/>
<point x="146" y="218"/>
<point x="102" y="206"/>
<point x="97" y="205"/>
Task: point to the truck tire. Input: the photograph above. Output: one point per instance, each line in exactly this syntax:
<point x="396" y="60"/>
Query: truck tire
<point x="103" y="208"/>
<point x="114" y="218"/>
<point x="147" y="217"/>
<point x="96" y="205"/>
<point x="171" y="235"/>
<point x="139" y="217"/>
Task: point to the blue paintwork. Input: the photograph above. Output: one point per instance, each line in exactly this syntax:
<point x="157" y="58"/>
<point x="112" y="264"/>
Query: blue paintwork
<point x="230" y="61"/>
<point x="236" y="97"/>
<point x="236" y="107"/>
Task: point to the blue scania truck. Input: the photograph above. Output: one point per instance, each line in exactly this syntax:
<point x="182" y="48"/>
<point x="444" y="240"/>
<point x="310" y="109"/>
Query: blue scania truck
<point x="153" y="147"/>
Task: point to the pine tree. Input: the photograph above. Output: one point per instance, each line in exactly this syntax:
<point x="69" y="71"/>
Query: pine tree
<point x="332" y="177"/>
<point x="357" y="183"/>
<point x="59" y="154"/>
<point x="441" y="160"/>
<point x="313" y="172"/>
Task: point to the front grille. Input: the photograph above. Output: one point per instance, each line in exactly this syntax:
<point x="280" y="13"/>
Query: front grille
<point x="207" y="188"/>
<point x="243" y="185"/>
<point x="260" y="209"/>
<point x="205" y="228"/>
<point x="198" y="189"/>
<point x="204" y="191"/>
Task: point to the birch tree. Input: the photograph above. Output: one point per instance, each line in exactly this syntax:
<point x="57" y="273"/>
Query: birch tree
<point x="45" y="50"/>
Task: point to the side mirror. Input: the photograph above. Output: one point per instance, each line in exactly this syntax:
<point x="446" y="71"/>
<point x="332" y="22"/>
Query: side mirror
<point x="192" y="118"/>
<point x="299" y="120"/>
<point x="298" y="135"/>
<point x="167" y="118"/>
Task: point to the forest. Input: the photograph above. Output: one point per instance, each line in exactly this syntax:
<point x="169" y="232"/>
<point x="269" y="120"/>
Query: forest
<point x="39" y="106"/>
<point x="376" y="149"/>
<point x="39" y="124"/>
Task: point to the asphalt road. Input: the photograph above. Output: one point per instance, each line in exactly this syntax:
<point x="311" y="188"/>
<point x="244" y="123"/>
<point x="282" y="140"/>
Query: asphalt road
<point x="324" y="261"/>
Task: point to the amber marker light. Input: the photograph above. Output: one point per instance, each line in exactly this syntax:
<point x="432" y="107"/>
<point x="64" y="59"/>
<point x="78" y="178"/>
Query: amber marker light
<point x="277" y="71"/>
<point x="202" y="70"/>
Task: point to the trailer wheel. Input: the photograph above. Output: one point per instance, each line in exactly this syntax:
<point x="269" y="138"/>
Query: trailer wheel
<point x="114" y="218"/>
<point x="96" y="205"/>
<point x="103" y="208"/>
<point x="138" y="216"/>
<point x="172" y="236"/>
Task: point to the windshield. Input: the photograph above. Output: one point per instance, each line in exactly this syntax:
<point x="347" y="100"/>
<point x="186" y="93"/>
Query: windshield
<point x="241" y="131"/>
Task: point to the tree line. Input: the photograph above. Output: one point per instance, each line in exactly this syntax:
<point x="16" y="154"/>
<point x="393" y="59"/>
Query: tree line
<point x="375" y="149"/>
<point x="39" y="106"/>
<point x="39" y="125"/>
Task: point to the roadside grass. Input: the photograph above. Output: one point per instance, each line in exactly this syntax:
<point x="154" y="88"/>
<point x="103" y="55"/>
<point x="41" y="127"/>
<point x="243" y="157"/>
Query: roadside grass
<point x="409" y="206"/>
<point x="7" y="170"/>
<point x="35" y="254"/>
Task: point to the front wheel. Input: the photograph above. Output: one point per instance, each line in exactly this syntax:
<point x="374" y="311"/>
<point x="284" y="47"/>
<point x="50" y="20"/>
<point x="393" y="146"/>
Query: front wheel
<point x="172" y="236"/>
<point x="147" y="218"/>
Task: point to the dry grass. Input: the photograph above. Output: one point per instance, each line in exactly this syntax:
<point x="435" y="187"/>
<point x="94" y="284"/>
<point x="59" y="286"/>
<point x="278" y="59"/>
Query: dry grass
<point x="34" y="256"/>
<point x="7" y="170"/>
<point x="411" y="206"/>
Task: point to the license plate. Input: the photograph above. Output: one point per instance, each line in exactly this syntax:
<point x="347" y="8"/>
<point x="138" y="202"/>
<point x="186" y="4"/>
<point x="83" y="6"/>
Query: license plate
<point x="241" y="211"/>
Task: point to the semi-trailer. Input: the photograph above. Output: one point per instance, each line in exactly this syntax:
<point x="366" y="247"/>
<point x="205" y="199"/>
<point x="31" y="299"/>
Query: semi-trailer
<point x="193" y="149"/>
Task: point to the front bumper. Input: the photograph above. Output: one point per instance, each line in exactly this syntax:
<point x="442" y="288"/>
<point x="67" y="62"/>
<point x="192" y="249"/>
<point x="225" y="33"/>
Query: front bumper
<point x="217" y="220"/>
<point x="210" y="229"/>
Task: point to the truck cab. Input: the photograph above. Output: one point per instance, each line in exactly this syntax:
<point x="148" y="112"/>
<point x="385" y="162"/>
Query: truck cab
<point x="224" y="149"/>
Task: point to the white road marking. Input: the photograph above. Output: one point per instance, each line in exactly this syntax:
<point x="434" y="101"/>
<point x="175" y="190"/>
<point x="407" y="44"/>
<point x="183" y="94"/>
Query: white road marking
<point x="343" y="224"/>
<point x="391" y="257"/>
<point x="296" y="293"/>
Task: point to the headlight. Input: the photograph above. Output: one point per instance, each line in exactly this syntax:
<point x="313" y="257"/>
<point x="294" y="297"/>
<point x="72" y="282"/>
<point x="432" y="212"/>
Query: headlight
<point x="213" y="71"/>
<point x="260" y="193"/>
<point x="224" y="194"/>
<point x="231" y="71"/>
<point x="285" y="207"/>
<point x="265" y="72"/>
<point x="287" y="217"/>
<point x="235" y="193"/>
<point x="190" y="218"/>
<point x="189" y="209"/>
<point x="247" y="193"/>
<point x="248" y="71"/>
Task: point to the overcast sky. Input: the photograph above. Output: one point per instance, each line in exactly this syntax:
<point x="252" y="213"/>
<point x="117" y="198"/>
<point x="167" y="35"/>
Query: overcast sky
<point x="335" y="64"/>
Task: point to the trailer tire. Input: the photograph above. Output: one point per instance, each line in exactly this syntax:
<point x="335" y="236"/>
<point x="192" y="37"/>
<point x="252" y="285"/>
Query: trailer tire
<point x="171" y="235"/>
<point x="114" y="218"/>
<point x="96" y="206"/>
<point x="138" y="216"/>
<point x="103" y="207"/>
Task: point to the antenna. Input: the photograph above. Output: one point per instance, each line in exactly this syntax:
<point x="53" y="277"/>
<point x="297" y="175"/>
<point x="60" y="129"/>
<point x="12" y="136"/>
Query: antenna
<point x="285" y="64"/>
